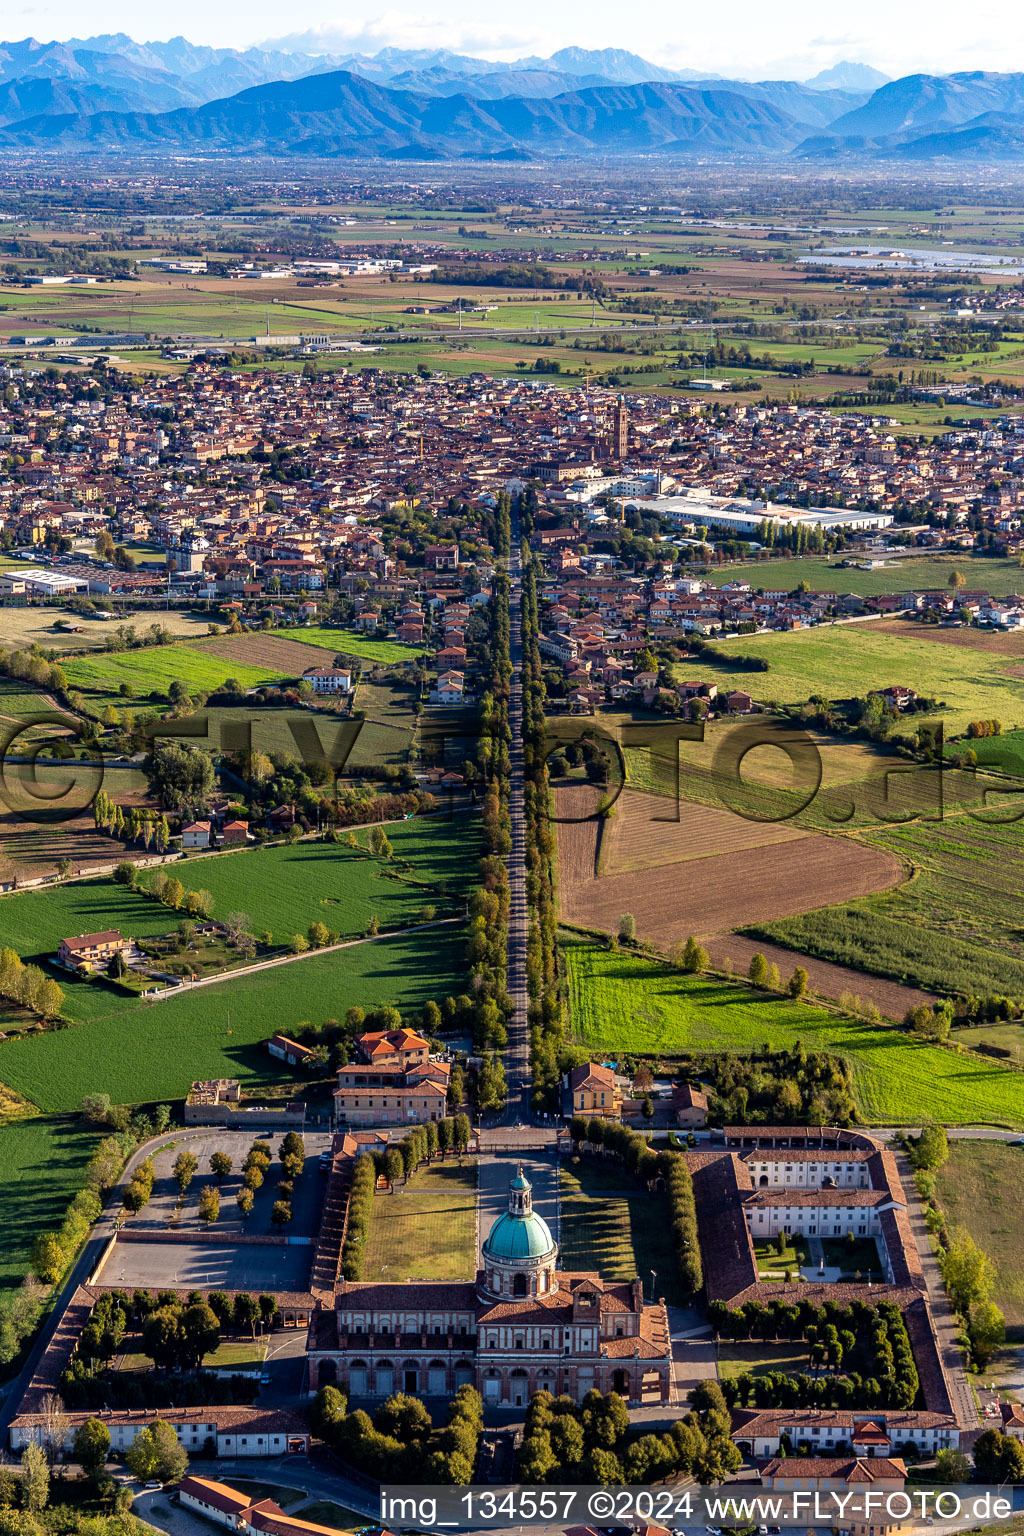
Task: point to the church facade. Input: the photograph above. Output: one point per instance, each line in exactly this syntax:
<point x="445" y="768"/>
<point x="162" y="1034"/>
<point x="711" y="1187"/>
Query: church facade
<point x="522" y="1326"/>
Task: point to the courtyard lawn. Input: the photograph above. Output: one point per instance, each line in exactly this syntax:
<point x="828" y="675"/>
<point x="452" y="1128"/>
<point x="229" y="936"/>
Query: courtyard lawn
<point x="736" y="1359"/>
<point x="346" y="642"/>
<point x="980" y="1188"/>
<point x="610" y="1225"/>
<point x="842" y="661"/>
<point x="622" y="1003"/>
<point x="141" y="1052"/>
<point x="853" y="1258"/>
<point x="426" y="1229"/>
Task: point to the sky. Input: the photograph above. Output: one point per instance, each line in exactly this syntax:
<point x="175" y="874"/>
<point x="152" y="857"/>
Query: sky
<point x="745" y="38"/>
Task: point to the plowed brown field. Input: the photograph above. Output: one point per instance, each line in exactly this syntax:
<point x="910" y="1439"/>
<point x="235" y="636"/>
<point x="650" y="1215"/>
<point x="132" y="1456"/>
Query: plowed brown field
<point x="273" y="651"/>
<point x="712" y="892"/>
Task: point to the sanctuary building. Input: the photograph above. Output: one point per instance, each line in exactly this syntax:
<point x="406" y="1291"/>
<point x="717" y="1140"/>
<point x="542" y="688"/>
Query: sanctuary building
<point x="522" y="1326"/>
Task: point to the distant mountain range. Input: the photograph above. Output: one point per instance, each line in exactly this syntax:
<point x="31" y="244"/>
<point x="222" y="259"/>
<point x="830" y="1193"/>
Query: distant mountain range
<point x="287" y="99"/>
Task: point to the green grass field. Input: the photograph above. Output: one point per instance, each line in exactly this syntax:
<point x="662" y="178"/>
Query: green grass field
<point x="737" y="1359"/>
<point x="345" y="642"/>
<point x="285" y="889"/>
<point x="622" y="1003"/>
<point x="980" y="1188"/>
<point x="1004" y="752"/>
<point x="952" y="927"/>
<point x="610" y="1225"/>
<point x="997" y="577"/>
<point x="282" y="889"/>
<point x="154" y="669"/>
<point x="140" y="1053"/>
<point x="42" y="1163"/>
<point x="842" y="661"/>
<point x="425" y="1230"/>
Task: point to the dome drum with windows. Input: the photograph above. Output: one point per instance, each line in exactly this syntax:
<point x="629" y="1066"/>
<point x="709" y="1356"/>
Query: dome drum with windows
<point x="519" y="1253"/>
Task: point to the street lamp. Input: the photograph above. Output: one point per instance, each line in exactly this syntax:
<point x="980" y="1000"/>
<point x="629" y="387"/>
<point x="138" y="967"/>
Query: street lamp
<point x="654" y="1276"/>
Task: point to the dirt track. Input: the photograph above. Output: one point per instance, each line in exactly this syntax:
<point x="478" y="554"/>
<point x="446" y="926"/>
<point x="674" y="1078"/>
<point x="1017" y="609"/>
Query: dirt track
<point x="715" y="893"/>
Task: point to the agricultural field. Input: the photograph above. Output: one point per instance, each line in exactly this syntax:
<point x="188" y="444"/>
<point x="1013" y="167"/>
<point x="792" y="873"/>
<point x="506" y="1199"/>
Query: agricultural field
<point x="19" y="700"/>
<point x="277" y="653"/>
<point x="153" y="669"/>
<point x="283" y="889"/>
<point x="39" y="626"/>
<point x="843" y="661"/>
<point x="779" y="876"/>
<point x="145" y="1052"/>
<point x="980" y="1188"/>
<point x="951" y="927"/>
<point x="345" y="642"/>
<point x="389" y="728"/>
<point x="42" y="1163"/>
<point x="426" y="1229"/>
<point x="610" y="1225"/>
<point x="1004" y="753"/>
<point x="622" y="1003"/>
<point x="32" y="847"/>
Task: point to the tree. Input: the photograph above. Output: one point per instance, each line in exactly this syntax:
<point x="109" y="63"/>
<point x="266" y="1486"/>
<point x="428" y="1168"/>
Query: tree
<point x="181" y="778"/>
<point x="35" y="1479"/>
<point x="758" y="970"/>
<point x="220" y="1163"/>
<point x="797" y="985"/>
<point x="92" y="1445"/>
<point x="162" y="1338"/>
<point x="393" y="1166"/>
<point x="955" y="580"/>
<point x="200" y="1329"/>
<point x="209" y="1203"/>
<point x="298" y="944"/>
<point x="952" y="1467"/>
<point x="695" y="957"/>
<point x="185" y="1165"/>
<point x="245" y="1201"/>
<point x="280" y="1213"/>
<point x="247" y="1312"/>
<point x="987" y="1331"/>
<point x="627" y="928"/>
<point x="156" y="1452"/>
<point x="967" y="1271"/>
<point x="48" y="1257"/>
<point x="932" y="1149"/>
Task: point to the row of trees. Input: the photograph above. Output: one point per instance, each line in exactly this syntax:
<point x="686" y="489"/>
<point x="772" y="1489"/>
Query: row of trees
<point x="612" y="1137"/>
<point x="592" y="1442"/>
<point x="489" y="903"/>
<point x="28" y="986"/>
<point x="400" y="1443"/>
<point x="967" y="1271"/>
<point x="140" y="827"/>
<point x="548" y="1056"/>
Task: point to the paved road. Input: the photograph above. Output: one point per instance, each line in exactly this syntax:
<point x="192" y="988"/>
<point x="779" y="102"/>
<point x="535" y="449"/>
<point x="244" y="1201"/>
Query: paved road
<point x="964" y="1404"/>
<point x="517" y="1053"/>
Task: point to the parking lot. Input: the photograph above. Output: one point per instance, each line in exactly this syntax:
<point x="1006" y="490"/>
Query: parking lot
<point x="216" y="1254"/>
<point x="216" y="1266"/>
<point x="164" y="1214"/>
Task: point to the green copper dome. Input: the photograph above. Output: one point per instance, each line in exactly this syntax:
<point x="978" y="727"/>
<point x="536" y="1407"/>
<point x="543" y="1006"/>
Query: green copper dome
<point x="519" y="1237"/>
<point x="519" y="1234"/>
